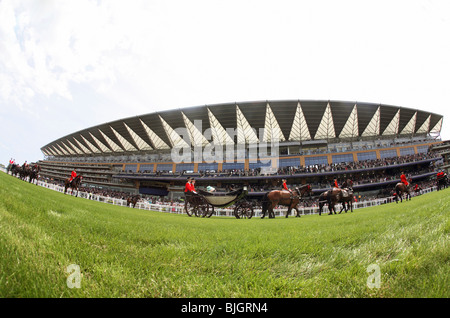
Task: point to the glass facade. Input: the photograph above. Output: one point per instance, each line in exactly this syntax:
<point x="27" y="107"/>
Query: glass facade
<point x="164" y="167"/>
<point x="388" y="153"/>
<point x="406" y="151"/>
<point x="233" y="165"/>
<point x="185" y="167"/>
<point x="319" y="160"/>
<point x="289" y="162"/>
<point x="208" y="166"/>
<point x="371" y="155"/>
<point x="342" y="158"/>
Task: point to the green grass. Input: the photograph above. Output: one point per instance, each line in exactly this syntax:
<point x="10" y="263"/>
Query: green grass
<point x="124" y="252"/>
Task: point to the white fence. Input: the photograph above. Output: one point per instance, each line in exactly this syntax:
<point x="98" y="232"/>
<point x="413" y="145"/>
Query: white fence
<point x="179" y="208"/>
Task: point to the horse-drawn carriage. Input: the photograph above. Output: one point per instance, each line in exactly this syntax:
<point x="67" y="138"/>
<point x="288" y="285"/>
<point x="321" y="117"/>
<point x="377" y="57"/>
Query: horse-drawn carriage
<point x="202" y="203"/>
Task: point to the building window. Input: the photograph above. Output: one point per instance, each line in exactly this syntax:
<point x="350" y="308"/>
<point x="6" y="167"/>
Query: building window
<point x="312" y="161"/>
<point x="233" y="166"/>
<point x="422" y="149"/>
<point x="343" y="158"/>
<point x="407" y="151"/>
<point x="185" y="167"/>
<point x="208" y="166"/>
<point x="255" y="165"/>
<point x="388" y="153"/>
<point x="130" y="168"/>
<point x="290" y="162"/>
<point x="362" y="156"/>
<point x="164" y="167"/>
<point x="146" y="167"/>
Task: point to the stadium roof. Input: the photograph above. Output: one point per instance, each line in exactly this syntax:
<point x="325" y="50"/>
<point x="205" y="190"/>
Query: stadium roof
<point x="237" y="123"/>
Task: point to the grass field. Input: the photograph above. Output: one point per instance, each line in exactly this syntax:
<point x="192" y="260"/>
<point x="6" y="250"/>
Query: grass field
<point x="124" y="252"/>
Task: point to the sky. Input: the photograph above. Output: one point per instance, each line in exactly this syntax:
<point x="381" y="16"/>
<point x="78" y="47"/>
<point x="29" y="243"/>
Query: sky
<point x="68" y="65"/>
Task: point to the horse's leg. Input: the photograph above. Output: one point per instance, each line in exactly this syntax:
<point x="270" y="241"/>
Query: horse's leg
<point x="263" y="210"/>
<point x="288" y="212"/>
<point x="342" y="208"/>
<point x="271" y="211"/>
<point x="298" y="212"/>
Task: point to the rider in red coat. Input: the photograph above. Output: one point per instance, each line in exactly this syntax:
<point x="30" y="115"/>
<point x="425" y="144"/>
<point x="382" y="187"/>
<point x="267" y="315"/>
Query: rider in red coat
<point x="187" y="187"/>
<point x="403" y="179"/>
<point x="336" y="183"/>
<point x="284" y="185"/>
<point x="73" y="175"/>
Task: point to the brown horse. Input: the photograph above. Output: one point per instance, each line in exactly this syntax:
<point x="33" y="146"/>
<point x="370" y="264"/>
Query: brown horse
<point x="284" y="198"/>
<point x="400" y="189"/>
<point x="73" y="185"/>
<point x="133" y="200"/>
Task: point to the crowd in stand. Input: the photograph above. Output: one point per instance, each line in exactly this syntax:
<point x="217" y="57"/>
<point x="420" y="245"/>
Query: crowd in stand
<point x="369" y="176"/>
<point x="356" y="165"/>
<point x="321" y="168"/>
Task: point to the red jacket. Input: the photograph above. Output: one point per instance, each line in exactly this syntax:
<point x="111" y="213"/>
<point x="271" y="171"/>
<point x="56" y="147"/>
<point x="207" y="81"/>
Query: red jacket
<point x="189" y="187"/>
<point x="403" y="178"/>
<point x="285" y="186"/>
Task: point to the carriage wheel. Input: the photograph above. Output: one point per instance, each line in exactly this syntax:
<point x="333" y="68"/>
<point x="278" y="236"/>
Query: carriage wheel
<point x="211" y="212"/>
<point x="190" y="207"/>
<point x="202" y="207"/>
<point x="243" y="210"/>
<point x="196" y="205"/>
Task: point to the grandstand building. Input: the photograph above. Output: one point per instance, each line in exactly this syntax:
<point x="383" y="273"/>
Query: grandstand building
<point x="252" y="143"/>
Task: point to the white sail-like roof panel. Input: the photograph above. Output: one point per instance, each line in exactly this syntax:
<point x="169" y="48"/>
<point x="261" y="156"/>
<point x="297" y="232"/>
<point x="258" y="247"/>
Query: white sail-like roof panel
<point x="326" y="126"/>
<point x="248" y="123"/>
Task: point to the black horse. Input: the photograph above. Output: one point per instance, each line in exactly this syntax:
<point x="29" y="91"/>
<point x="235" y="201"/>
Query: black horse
<point x="73" y="185"/>
<point x="347" y="200"/>
<point x="330" y="197"/>
<point x="442" y="182"/>
<point x="34" y="173"/>
<point x="133" y="200"/>
<point x="15" y="170"/>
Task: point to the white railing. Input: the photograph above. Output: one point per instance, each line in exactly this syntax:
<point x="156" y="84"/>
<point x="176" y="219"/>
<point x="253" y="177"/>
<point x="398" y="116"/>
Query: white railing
<point x="179" y="208"/>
